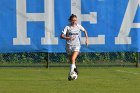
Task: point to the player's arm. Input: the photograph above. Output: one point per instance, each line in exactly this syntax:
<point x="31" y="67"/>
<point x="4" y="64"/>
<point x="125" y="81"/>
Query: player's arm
<point x="85" y="32"/>
<point x="65" y="37"/>
<point x="64" y="34"/>
<point x="86" y="35"/>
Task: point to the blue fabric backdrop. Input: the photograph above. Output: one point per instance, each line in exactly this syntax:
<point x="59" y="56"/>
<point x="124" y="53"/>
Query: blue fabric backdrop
<point x="110" y="16"/>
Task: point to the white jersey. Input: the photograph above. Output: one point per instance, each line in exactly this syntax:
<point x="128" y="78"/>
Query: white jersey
<point x="73" y="33"/>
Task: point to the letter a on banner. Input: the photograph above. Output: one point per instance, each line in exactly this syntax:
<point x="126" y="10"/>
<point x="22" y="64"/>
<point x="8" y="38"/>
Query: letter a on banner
<point x="128" y="23"/>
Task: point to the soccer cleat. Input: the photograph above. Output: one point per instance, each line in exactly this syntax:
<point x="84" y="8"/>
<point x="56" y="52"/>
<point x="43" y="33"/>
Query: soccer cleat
<point x="69" y="78"/>
<point x="76" y="70"/>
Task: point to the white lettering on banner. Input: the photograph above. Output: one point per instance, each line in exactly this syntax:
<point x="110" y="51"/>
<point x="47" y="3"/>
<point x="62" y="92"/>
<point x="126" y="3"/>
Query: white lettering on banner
<point x="48" y="17"/>
<point x="127" y="24"/>
<point x="23" y="17"/>
<point x="92" y="18"/>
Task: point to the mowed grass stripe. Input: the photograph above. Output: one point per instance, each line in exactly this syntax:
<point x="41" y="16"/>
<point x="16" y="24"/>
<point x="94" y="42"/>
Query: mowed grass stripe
<point x="54" y="80"/>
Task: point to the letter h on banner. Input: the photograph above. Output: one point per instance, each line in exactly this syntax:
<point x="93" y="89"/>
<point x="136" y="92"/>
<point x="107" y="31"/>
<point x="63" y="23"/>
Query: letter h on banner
<point x="23" y="17"/>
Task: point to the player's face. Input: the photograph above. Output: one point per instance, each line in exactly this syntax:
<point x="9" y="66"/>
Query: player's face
<point x="74" y="21"/>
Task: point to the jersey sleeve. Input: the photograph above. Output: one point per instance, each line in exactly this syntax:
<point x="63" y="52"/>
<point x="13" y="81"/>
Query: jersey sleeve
<point x="65" y="30"/>
<point x="81" y="28"/>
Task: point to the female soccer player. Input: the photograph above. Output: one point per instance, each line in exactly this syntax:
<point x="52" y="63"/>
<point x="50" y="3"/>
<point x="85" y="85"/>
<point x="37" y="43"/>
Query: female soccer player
<point x="71" y="34"/>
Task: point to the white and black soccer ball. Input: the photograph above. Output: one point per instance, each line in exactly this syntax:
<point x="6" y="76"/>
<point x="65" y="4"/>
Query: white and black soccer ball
<point x="73" y="75"/>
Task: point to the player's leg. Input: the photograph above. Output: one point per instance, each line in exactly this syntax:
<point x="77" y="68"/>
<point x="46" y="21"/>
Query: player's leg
<point x="75" y="67"/>
<point x="73" y="52"/>
<point x="73" y="61"/>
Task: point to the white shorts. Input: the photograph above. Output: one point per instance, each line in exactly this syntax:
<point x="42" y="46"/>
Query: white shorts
<point x="71" y="48"/>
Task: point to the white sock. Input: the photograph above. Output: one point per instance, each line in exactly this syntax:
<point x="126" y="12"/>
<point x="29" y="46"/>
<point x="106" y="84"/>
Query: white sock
<point x="72" y="66"/>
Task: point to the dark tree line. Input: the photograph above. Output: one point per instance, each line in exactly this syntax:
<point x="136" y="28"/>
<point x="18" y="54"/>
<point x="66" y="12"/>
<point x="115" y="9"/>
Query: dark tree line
<point x="36" y="58"/>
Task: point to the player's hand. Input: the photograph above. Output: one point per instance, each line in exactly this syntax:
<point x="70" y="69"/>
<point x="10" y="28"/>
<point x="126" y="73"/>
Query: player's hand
<point x="86" y="42"/>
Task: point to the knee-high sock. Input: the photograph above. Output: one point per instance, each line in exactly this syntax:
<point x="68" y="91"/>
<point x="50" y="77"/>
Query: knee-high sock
<point x="72" y="66"/>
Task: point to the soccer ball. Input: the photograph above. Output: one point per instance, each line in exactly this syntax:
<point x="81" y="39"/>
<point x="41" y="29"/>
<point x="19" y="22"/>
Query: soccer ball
<point x="73" y="75"/>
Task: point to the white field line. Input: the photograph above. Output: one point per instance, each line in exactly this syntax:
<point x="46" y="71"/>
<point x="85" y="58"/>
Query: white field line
<point x="127" y="72"/>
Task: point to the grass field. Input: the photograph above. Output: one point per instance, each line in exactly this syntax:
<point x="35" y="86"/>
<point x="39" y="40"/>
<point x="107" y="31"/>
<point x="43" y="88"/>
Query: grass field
<point x="54" y="80"/>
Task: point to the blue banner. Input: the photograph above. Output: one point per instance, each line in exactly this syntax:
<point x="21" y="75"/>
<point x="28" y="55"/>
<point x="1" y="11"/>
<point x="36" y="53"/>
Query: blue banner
<point x="36" y="25"/>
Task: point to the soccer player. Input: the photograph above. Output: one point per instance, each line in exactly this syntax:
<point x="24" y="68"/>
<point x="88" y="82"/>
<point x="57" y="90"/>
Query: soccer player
<point x="71" y="34"/>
